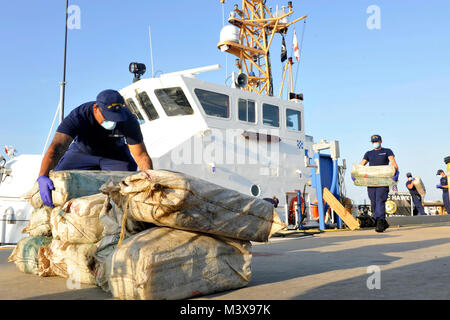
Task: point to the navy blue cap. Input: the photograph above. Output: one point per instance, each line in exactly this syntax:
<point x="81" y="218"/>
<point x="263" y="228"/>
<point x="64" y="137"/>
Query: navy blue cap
<point x="409" y="175"/>
<point x="112" y="105"/>
<point x="375" y="138"/>
<point x="439" y="172"/>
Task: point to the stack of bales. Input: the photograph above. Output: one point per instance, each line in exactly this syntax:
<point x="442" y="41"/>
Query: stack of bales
<point x="157" y="235"/>
<point x="47" y="234"/>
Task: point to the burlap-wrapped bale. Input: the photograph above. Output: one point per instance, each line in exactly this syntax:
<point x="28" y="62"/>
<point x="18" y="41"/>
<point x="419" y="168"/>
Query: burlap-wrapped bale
<point x="420" y="187"/>
<point x="78" y="221"/>
<point x="73" y="184"/>
<point x="67" y="260"/>
<point x="184" y="202"/>
<point x="39" y="224"/>
<point x="25" y="254"/>
<point x="164" y="263"/>
<point x="373" y="176"/>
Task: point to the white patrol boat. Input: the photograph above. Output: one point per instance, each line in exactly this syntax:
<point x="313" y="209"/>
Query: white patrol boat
<point x="240" y="137"/>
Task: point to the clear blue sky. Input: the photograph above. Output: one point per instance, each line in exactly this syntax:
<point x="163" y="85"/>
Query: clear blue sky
<point x="394" y="81"/>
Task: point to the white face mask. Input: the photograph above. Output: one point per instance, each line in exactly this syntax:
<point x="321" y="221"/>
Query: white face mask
<point x="376" y="145"/>
<point x="109" y="125"/>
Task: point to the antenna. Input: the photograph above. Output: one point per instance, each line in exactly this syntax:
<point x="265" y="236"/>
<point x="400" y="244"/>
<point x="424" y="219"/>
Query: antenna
<point x="151" y="49"/>
<point x="63" y="83"/>
<point x="249" y="37"/>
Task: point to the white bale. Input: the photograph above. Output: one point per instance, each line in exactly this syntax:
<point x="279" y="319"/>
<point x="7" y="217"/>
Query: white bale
<point x="78" y="221"/>
<point x="373" y="176"/>
<point x="39" y="224"/>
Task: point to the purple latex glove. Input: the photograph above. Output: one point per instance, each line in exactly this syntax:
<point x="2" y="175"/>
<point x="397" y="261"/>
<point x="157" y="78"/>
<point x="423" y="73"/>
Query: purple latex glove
<point x="353" y="178"/>
<point x="395" y="177"/>
<point x="45" y="187"/>
<point x="439" y="186"/>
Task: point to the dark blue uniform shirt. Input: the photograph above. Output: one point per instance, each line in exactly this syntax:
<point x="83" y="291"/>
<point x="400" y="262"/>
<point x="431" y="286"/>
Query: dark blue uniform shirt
<point x="444" y="183"/>
<point x="412" y="191"/>
<point x="91" y="138"/>
<point x="378" y="157"/>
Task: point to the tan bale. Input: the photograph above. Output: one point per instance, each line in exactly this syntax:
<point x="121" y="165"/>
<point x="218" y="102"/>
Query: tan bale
<point x="164" y="263"/>
<point x="78" y="221"/>
<point x="25" y="254"/>
<point x="67" y="260"/>
<point x="184" y="202"/>
<point x="71" y="184"/>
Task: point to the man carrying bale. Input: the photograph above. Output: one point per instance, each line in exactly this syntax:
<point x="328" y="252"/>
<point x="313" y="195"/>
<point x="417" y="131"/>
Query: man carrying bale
<point x="416" y="197"/>
<point x="105" y="135"/>
<point x="378" y="195"/>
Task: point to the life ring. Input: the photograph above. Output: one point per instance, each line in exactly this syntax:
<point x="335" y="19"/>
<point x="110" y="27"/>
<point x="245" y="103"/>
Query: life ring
<point x="292" y="211"/>
<point x="391" y="207"/>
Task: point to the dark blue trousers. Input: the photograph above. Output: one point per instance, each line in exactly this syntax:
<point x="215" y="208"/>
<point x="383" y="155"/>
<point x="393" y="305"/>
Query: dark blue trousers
<point x="77" y="160"/>
<point x="378" y="197"/>
<point x="417" y="200"/>
<point x="446" y="202"/>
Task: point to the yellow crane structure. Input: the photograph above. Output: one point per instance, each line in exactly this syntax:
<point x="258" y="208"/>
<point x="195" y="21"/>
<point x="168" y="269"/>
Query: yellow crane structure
<point x="257" y="28"/>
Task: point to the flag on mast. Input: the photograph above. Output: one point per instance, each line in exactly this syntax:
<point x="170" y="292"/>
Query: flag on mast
<point x="283" y="50"/>
<point x="295" y="46"/>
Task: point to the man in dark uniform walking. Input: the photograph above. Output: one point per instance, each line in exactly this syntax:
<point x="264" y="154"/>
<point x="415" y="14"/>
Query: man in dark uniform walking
<point x="378" y="195"/>
<point x="98" y="135"/>
<point x="444" y="186"/>
<point x="416" y="197"/>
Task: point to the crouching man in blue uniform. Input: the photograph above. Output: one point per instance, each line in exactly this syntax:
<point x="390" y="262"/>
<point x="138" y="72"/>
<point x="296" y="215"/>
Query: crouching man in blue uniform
<point x="444" y="186"/>
<point x="98" y="135"/>
<point x="378" y="195"/>
<point x="416" y="197"/>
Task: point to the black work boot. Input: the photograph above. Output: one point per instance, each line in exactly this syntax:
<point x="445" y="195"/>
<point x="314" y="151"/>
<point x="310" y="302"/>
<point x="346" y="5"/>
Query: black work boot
<point x="379" y="225"/>
<point x="386" y="224"/>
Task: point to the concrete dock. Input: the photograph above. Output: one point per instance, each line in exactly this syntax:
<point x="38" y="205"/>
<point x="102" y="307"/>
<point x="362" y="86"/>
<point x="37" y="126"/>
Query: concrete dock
<point x="411" y="262"/>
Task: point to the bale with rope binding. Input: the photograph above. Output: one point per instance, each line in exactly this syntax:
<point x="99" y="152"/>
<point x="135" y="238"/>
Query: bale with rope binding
<point x="164" y="263"/>
<point x="180" y="201"/>
<point x="78" y="221"/>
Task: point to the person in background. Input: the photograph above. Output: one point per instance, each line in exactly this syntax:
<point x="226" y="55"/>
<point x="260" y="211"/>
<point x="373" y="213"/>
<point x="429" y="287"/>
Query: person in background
<point x="416" y="197"/>
<point x="274" y="200"/>
<point x="378" y="195"/>
<point x="444" y="186"/>
<point x="98" y="135"/>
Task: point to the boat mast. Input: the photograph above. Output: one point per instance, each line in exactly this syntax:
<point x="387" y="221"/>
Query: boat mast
<point x="257" y="27"/>
<point x="63" y="83"/>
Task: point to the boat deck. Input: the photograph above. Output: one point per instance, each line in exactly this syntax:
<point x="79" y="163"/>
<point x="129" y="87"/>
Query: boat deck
<point x="414" y="262"/>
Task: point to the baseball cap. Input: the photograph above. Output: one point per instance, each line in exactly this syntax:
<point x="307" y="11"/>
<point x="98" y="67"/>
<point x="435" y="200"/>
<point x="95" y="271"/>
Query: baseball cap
<point x="409" y="175"/>
<point x="112" y="105"/>
<point x="375" y="138"/>
<point x="439" y="172"/>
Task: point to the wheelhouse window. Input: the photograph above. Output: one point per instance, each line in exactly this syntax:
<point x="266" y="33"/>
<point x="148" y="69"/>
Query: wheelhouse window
<point x="293" y="120"/>
<point x="246" y="110"/>
<point x="271" y="116"/>
<point x="215" y="104"/>
<point x="134" y="110"/>
<point x="174" y="101"/>
<point x="148" y="106"/>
